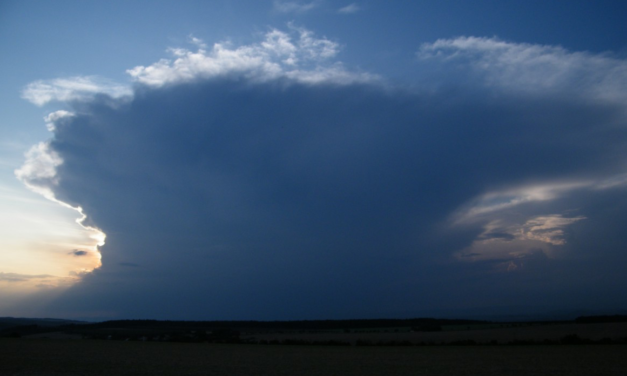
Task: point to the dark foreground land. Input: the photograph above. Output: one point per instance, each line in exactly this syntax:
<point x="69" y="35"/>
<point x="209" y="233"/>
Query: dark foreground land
<point x="101" y="357"/>
<point x="584" y="346"/>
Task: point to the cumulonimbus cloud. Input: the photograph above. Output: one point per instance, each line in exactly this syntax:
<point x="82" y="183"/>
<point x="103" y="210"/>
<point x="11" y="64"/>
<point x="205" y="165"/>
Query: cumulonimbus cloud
<point x="272" y="172"/>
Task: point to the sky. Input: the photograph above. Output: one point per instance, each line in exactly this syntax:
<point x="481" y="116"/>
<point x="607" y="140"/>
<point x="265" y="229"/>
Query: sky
<point x="285" y="160"/>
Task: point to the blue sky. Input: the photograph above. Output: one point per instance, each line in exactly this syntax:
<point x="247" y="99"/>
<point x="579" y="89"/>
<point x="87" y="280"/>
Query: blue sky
<point x="324" y="159"/>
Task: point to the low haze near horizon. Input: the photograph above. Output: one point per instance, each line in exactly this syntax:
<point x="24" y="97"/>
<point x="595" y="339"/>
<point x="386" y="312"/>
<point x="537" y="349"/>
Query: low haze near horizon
<point x="275" y="160"/>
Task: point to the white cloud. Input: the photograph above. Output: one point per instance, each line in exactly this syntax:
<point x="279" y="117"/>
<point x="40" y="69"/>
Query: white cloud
<point x="294" y="6"/>
<point x="197" y="41"/>
<point x="536" y="68"/>
<point x="39" y="171"/>
<point x="56" y="116"/>
<point x="71" y="89"/>
<point x="312" y="48"/>
<point x="350" y="9"/>
<point x="297" y="55"/>
<point x="39" y="174"/>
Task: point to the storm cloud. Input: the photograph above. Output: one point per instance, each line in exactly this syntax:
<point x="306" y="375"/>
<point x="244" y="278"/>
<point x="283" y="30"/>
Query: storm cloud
<point x="286" y="191"/>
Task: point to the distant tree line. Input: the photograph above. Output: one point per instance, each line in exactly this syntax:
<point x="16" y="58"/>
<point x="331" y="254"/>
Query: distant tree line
<point x="600" y="319"/>
<point x="419" y="324"/>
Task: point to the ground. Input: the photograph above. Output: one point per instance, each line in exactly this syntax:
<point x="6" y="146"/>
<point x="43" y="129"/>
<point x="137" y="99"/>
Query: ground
<point x="39" y="357"/>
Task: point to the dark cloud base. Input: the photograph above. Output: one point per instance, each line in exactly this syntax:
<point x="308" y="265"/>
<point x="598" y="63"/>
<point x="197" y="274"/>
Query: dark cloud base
<point x="287" y="201"/>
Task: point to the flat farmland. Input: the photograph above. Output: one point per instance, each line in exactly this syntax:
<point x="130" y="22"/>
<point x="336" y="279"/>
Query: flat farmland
<point x="481" y="334"/>
<point x="30" y="357"/>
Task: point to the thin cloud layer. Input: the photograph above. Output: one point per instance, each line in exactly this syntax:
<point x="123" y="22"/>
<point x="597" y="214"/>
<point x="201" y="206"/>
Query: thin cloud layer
<point x="496" y="201"/>
<point x="349" y="9"/>
<point x="39" y="282"/>
<point x="72" y="89"/>
<point x="270" y="179"/>
<point x="535" y="69"/>
<point x="16" y="277"/>
<point x="294" y="6"/>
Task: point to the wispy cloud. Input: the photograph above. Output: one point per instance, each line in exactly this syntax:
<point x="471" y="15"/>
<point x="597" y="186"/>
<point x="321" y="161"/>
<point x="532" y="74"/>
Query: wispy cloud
<point x="17" y="277"/>
<point x="295" y="6"/>
<point x="36" y="282"/>
<point x="500" y="200"/>
<point x="80" y="88"/>
<point x="536" y="69"/>
<point x="350" y="9"/>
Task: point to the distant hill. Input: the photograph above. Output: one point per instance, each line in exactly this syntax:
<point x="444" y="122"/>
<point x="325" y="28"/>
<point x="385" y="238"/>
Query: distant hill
<point x="427" y="323"/>
<point x="11" y="322"/>
<point x="583" y="330"/>
<point x="601" y="319"/>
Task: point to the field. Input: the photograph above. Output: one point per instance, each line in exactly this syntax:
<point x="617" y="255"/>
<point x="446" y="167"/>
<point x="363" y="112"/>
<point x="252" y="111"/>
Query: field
<point x="145" y="347"/>
<point x="30" y="357"/>
<point x="481" y="334"/>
